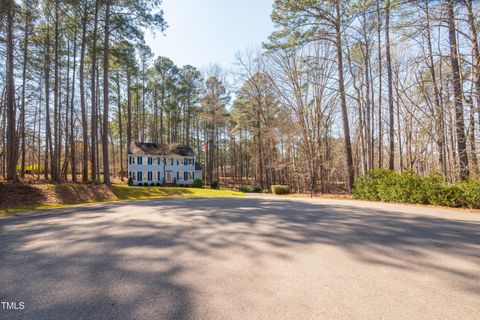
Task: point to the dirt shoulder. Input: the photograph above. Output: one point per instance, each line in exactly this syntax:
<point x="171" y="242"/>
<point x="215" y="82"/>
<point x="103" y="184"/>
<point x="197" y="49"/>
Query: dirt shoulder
<point x="346" y="199"/>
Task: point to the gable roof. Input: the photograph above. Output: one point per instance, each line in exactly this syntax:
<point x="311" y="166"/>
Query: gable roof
<point x="159" y="149"/>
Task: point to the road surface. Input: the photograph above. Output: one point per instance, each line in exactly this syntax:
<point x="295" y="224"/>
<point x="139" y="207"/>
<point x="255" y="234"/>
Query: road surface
<point x="241" y="258"/>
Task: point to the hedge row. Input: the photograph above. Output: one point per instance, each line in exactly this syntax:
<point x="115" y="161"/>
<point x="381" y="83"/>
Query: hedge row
<point x="408" y="187"/>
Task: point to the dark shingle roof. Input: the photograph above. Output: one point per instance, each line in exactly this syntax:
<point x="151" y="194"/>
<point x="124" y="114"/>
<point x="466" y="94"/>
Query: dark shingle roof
<point x="160" y="149"/>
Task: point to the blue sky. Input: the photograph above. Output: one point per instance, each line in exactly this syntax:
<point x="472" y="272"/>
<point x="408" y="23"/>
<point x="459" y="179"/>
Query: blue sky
<point x="203" y="32"/>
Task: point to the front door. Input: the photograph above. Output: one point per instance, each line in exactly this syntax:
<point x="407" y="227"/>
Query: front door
<point x="168" y="177"/>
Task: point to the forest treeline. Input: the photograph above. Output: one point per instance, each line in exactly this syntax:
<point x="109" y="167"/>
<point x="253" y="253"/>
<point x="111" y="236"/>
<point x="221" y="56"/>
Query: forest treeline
<point x="339" y="88"/>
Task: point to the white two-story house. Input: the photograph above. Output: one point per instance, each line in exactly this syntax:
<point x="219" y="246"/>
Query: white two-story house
<point x="162" y="164"/>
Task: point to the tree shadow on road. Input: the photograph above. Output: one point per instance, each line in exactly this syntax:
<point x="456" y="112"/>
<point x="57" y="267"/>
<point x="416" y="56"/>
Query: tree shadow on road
<point x="126" y="265"/>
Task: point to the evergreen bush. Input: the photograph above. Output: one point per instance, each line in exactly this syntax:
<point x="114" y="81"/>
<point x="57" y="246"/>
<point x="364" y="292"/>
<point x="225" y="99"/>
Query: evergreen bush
<point x="280" y="189"/>
<point x="197" y="183"/>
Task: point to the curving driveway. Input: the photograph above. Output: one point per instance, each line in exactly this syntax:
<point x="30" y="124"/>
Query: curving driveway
<point x="241" y="258"/>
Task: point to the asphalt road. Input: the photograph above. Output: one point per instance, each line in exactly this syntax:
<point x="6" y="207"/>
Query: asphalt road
<point x="241" y="258"/>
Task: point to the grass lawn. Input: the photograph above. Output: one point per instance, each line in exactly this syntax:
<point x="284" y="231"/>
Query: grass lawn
<point x="8" y="211"/>
<point x="124" y="192"/>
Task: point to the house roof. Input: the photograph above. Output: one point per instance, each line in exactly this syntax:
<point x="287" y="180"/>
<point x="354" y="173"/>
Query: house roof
<point x="160" y="149"/>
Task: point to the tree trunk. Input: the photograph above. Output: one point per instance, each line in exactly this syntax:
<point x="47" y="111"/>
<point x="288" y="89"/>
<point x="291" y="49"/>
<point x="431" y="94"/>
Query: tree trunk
<point x="457" y="92"/>
<point x="83" y="98"/>
<point x="440" y="130"/>
<point x="120" y="125"/>
<point x="24" y="77"/>
<point x="10" y="101"/>
<point x="391" y="160"/>
<point x="48" y="126"/>
<point x="106" y="49"/>
<point x="129" y="111"/>
<point x="343" y="102"/>
<point x="73" y="151"/>
<point x="94" y="120"/>
<point x="380" y="113"/>
<point x="55" y="168"/>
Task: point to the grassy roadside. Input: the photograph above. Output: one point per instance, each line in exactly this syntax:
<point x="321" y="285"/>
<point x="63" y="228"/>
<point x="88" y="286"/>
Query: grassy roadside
<point x="117" y="193"/>
<point x="123" y="192"/>
<point x="9" y="211"/>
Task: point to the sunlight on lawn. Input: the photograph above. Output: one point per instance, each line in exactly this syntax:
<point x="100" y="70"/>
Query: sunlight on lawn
<point x="123" y="192"/>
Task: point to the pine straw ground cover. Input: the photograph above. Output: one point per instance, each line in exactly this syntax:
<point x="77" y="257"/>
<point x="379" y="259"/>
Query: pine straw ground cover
<point x="17" y="197"/>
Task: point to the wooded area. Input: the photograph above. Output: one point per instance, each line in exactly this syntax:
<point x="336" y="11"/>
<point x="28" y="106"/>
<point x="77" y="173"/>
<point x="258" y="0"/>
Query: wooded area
<point x="340" y="88"/>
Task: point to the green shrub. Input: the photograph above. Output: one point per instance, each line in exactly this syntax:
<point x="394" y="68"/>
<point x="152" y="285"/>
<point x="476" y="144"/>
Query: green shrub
<point x="410" y="188"/>
<point x="243" y="188"/>
<point x="280" y="189"/>
<point x="250" y="189"/>
<point x="434" y="188"/>
<point x="471" y="194"/>
<point x="369" y="186"/>
<point x="215" y="185"/>
<point x="197" y="183"/>
<point x="386" y="185"/>
<point x="448" y="194"/>
<point x="130" y="181"/>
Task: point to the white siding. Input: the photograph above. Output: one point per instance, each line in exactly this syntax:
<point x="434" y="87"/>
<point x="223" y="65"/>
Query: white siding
<point x="177" y="166"/>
